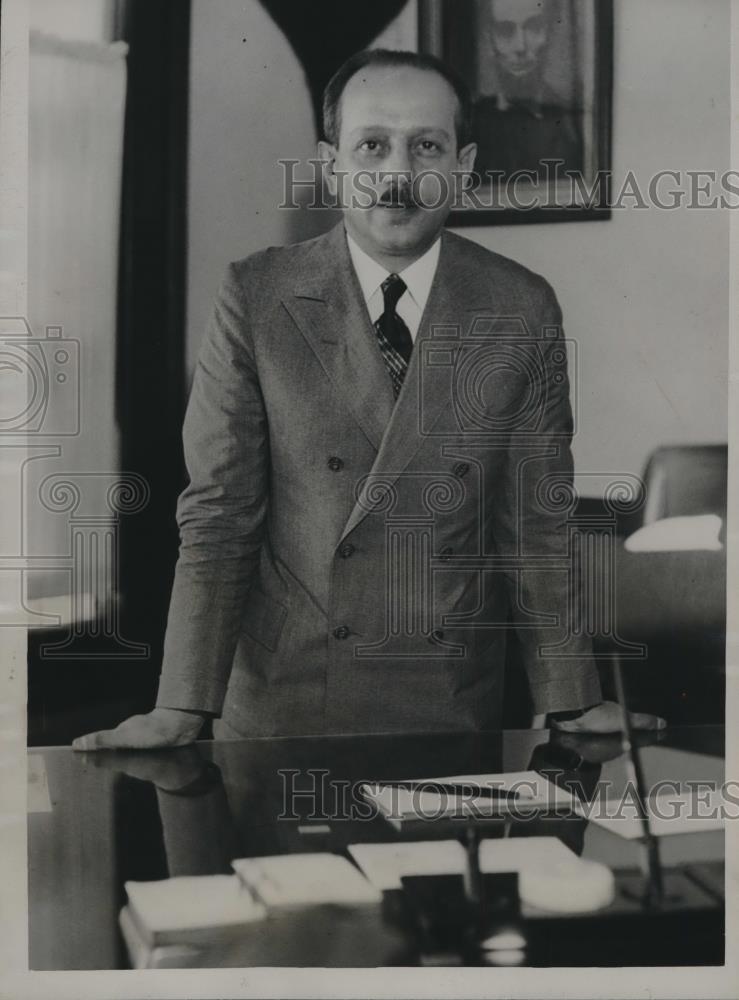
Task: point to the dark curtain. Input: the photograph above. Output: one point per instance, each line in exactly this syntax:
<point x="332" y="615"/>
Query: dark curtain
<point x="324" y="33"/>
<point x="150" y="396"/>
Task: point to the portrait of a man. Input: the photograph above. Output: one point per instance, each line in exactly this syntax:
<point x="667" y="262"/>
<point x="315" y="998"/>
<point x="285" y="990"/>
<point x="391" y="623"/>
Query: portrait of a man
<point x="539" y="75"/>
<point x="527" y="118"/>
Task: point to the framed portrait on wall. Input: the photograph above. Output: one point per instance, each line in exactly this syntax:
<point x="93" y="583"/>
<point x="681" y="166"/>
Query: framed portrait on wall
<point x="540" y="77"/>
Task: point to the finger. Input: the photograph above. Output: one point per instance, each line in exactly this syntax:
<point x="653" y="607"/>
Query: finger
<point x="569" y="725"/>
<point x="129" y="735"/>
<point x="641" y="720"/>
<point x="592" y="725"/>
<point x="605" y="725"/>
<point x="94" y="741"/>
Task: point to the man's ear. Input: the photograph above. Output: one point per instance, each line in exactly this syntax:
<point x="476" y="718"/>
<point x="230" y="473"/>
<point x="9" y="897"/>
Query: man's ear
<point x="466" y="157"/>
<point x="327" y="156"/>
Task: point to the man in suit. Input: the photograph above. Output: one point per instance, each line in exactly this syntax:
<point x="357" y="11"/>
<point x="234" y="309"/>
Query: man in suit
<point x="378" y="429"/>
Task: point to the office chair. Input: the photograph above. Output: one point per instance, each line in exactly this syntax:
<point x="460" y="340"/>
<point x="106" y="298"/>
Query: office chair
<point x="674" y="602"/>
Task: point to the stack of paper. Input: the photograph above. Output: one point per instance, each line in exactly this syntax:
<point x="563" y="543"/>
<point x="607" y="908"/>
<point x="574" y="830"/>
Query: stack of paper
<point x="314" y="879"/>
<point x="143" y="955"/>
<point x="519" y="854"/>
<point x="191" y="909"/>
<point x="386" y="864"/>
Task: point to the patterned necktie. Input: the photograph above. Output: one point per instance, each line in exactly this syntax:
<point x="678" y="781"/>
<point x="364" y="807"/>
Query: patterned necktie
<point x="393" y="335"/>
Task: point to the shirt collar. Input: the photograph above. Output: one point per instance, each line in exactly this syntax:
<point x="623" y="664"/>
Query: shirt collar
<point x="418" y="276"/>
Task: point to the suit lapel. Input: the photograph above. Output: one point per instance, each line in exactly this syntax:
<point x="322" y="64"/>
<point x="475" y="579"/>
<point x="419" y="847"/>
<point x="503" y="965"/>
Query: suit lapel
<point x="455" y="295"/>
<point x="329" y="309"/>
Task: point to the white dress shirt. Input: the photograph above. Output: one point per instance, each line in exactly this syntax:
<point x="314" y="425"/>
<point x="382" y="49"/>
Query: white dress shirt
<point x="418" y="278"/>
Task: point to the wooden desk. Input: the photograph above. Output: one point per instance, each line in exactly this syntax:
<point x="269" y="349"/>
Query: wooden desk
<point x="111" y="817"/>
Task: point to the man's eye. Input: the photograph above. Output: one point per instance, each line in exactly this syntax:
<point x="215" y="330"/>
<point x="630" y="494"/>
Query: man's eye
<point x="370" y="145"/>
<point x="504" y="29"/>
<point x="428" y="146"/>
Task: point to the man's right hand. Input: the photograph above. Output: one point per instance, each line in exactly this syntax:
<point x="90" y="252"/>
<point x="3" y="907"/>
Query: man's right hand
<point x="161" y="728"/>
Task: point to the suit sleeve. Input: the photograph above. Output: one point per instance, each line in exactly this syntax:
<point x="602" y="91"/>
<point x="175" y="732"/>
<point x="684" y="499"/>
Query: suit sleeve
<point x="537" y="492"/>
<point x="221" y="513"/>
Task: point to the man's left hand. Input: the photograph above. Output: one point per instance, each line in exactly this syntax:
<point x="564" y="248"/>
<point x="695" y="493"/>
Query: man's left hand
<point x="606" y="718"/>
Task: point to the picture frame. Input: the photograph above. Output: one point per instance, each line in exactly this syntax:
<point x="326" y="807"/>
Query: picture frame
<point x="540" y="74"/>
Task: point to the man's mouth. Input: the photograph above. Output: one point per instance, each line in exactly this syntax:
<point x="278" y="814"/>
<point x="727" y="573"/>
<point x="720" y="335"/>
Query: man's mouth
<point x="396" y="206"/>
<point x="521" y="68"/>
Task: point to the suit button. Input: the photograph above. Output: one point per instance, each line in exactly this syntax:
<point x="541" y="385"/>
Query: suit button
<point x="346" y="550"/>
<point x="436" y="636"/>
<point x="342" y="632"/>
<point x="461" y="469"/>
<point x="335" y="463"/>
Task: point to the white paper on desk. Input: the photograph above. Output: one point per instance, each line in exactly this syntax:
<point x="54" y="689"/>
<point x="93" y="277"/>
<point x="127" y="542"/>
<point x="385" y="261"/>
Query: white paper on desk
<point x="143" y="955"/>
<point x="192" y="903"/>
<point x="673" y="776"/>
<point x="311" y="879"/>
<point x="532" y="789"/>
<point x="517" y="854"/>
<point x="386" y="864"/>
<point x="671" y="812"/>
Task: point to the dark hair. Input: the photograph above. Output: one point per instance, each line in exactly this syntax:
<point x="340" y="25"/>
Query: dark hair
<point x="392" y="59"/>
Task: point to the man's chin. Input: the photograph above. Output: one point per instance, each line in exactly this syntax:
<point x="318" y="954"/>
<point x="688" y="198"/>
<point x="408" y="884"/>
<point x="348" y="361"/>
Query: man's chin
<point x="400" y="231"/>
<point x="406" y="225"/>
<point x="401" y="238"/>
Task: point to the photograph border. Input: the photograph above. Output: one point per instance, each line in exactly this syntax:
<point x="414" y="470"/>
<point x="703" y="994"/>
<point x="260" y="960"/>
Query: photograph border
<point x="15" y="978"/>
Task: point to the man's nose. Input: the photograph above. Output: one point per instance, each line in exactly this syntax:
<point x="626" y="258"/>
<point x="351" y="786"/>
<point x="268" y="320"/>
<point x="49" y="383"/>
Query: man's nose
<point x="399" y="165"/>
<point x="519" y="41"/>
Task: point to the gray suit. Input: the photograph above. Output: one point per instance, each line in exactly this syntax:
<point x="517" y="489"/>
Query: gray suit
<point x="349" y="564"/>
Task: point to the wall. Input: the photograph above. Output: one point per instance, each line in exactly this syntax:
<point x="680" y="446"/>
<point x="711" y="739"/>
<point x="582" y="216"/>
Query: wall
<point x="249" y="106"/>
<point x="645" y="295"/>
<point x="82" y="20"/>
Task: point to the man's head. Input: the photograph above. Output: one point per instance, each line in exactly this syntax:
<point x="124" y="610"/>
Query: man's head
<point x="519" y="32"/>
<point x="396" y="131"/>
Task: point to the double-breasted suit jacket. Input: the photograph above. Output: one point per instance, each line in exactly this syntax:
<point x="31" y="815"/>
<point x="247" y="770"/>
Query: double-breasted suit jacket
<point x="350" y="562"/>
